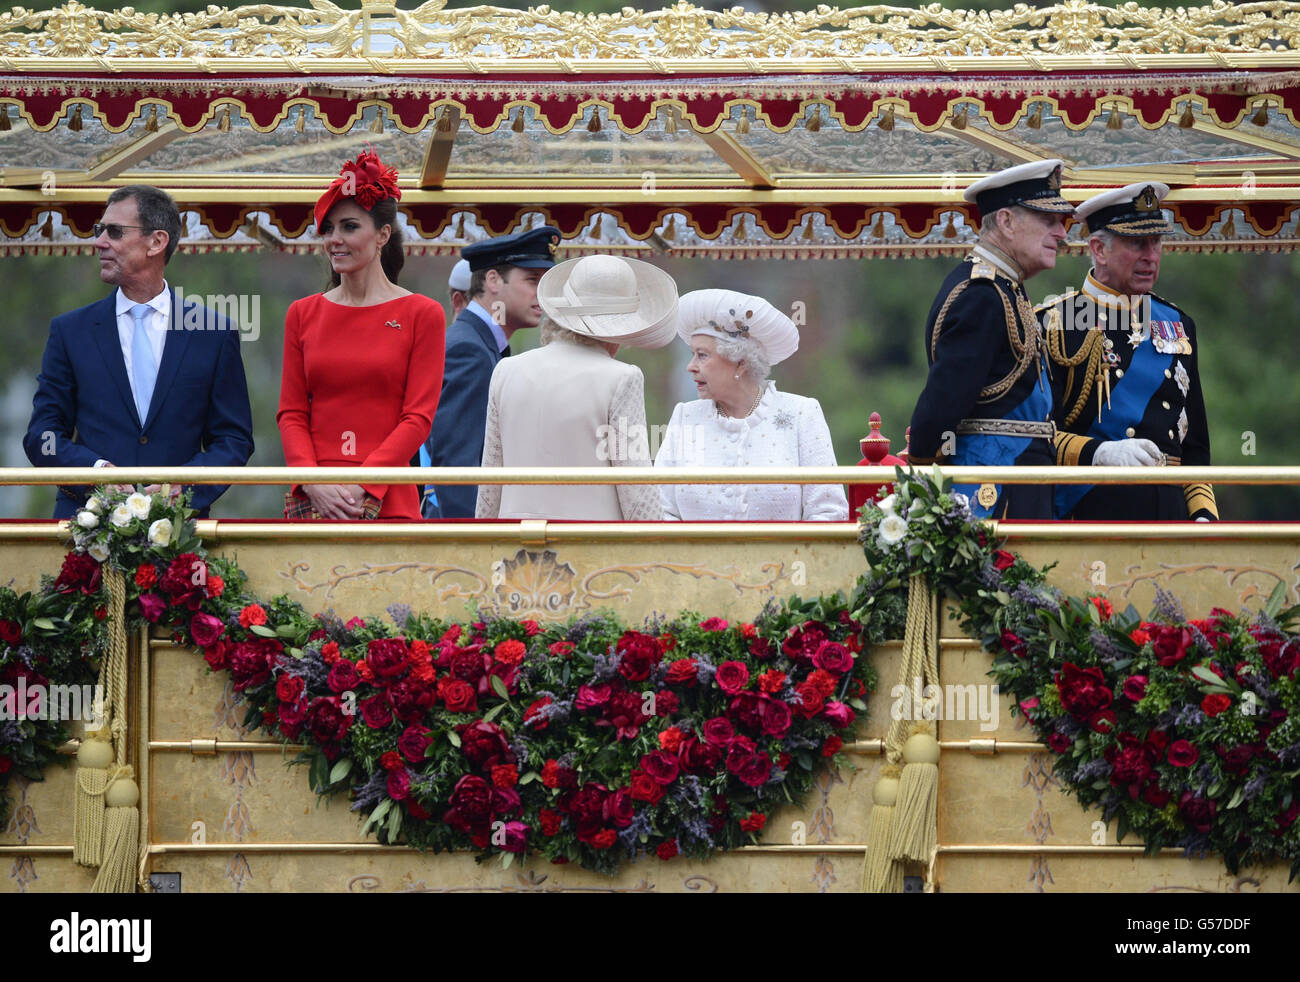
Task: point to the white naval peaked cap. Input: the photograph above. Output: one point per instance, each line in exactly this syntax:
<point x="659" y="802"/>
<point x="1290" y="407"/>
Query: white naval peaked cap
<point x="728" y="315"/>
<point x="1132" y="210"/>
<point x="1035" y="185"/>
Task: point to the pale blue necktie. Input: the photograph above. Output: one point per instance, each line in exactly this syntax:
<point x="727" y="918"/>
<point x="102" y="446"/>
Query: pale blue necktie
<point x="143" y="370"/>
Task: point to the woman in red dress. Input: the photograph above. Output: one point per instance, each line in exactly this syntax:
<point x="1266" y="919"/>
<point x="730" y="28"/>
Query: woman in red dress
<point x="362" y="361"/>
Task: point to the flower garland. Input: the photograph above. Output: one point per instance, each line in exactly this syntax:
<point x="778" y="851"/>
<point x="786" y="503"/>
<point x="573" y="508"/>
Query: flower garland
<point x="1185" y="732"/>
<point x="588" y="742"/>
<point x="593" y="741"/>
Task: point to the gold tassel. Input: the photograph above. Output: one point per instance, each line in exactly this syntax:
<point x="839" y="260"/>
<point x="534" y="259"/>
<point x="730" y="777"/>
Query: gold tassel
<point x="460" y="226"/>
<point x="1261" y="115"/>
<point x="814" y="122"/>
<point x="599" y="231"/>
<point x="377" y="125"/>
<point x="224" y="124"/>
<point x="594" y="125"/>
<point x="887" y="120"/>
<point x="950" y="230"/>
<point x="742" y="124"/>
<point x="151" y="124"/>
<point x="880" y="874"/>
<point x="914" y="832"/>
<point x="5" y="125"/>
<point x="74" y="123"/>
<point x="94" y="757"/>
<point x="1114" y="122"/>
<point x="47" y="229"/>
<point x="959" y="118"/>
<point x="670" y="123"/>
<point x="117" y="871"/>
<point x="1186" y="121"/>
<point x="1035" y="119"/>
<point x="300" y="124"/>
<point x="1230" y="226"/>
<point x="517" y="124"/>
<point x="740" y="235"/>
<point x="878" y="229"/>
<point x="808" y="231"/>
<point x="670" y="230"/>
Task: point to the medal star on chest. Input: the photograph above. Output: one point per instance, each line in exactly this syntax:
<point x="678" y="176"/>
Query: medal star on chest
<point x="783" y="420"/>
<point x="1181" y="378"/>
<point x="1135" y="336"/>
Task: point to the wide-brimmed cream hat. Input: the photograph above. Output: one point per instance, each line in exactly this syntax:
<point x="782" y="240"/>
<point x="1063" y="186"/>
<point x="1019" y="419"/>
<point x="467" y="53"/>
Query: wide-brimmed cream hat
<point x="728" y="316"/>
<point x="615" y="299"/>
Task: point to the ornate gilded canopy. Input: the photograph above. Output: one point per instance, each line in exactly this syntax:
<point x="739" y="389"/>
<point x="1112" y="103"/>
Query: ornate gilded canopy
<point x="827" y="133"/>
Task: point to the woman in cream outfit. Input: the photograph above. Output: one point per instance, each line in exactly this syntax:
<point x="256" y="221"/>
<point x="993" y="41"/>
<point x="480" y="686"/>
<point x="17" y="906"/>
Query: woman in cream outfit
<point x="569" y="403"/>
<point x="741" y="420"/>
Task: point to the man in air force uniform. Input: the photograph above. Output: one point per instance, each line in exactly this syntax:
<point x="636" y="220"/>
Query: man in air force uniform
<point x="987" y="399"/>
<point x="1127" y="387"/>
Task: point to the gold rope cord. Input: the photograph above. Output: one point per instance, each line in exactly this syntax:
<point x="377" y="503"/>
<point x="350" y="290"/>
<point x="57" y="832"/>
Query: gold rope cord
<point x="112" y="672"/>
<point x="1024" y="351"/>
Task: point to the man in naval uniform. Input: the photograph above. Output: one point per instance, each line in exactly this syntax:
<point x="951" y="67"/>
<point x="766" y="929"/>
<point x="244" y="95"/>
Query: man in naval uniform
<point x="1127" y="387"/>
<point x="987" y="399"/>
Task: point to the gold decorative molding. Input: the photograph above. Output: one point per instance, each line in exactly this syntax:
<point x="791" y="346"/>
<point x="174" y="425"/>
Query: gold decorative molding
<point x="475" y="40"/>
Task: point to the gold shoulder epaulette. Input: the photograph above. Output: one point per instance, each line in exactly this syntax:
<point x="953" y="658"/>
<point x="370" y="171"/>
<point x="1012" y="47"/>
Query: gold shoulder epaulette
<point x="981" y="270"/>
<point x="1055" y="301"/>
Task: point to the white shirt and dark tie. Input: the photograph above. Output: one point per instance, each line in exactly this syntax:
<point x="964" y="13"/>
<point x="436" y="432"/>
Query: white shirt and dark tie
<point x="142" y="333"/>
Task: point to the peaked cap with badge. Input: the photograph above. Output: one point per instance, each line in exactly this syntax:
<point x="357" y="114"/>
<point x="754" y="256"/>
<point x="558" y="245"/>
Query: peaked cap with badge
<point x="533" y="249"/>
<point x="987" y="400"/>
<point x="1126" y="367"/>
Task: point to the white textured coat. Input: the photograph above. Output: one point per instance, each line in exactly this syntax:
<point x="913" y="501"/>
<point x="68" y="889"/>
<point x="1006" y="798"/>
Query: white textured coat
<point x="785" y="430"/>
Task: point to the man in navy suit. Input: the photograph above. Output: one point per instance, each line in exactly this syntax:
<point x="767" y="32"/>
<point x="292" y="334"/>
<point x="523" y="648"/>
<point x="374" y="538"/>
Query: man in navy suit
<point x="143" y="377"/>
<point x="503" y="299"/>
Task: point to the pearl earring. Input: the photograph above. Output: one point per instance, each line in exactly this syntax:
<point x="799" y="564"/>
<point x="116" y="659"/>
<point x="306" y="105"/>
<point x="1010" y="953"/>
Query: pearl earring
<point x="736" y="376"/>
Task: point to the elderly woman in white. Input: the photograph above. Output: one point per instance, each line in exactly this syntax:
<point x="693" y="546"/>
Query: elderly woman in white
<point x="741" y="420"/>
<point x="570" y="403"/>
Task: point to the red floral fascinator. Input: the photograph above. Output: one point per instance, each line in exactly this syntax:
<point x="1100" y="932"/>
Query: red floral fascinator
<point x="367" y="181"/>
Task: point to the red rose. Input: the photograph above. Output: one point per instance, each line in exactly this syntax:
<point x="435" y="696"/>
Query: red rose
<point x="252" y="614"/>
<point x="592" y="696"/>
<point x="1013" y="644"/>
<point x="550" y="821"/>
<point x="152" y="607"/>
<point x="619" y="809"/>
<point x="1155" y="796"/>
<point x="682" y="672"/>
<point x="328" y="724"/>
<point x="504" y="775"/>
<point x="250" y="662"/>
<point x="1130" y="763"/>
<point x="1236" y="760"/>
<point x="1170" y="644"/>
<point x="671" y="739"/>
<point x="292" y="717"/>
<point x="697" y="757"/>
<point x="561" y="648"/>
<point x="661" y="766"/>
<point x="832" y="746"/>
<point x="413" y="743"/>
<point x="79" y="573"/>
<point x="1183" y="754"/>
<point x="354" y="624"/>
<point x="810" y="699"/>
<point x="392" y="761"/>
<point x="1003" y="559"/>
<point x="146" y="575"/>
<point x="556" y="775"/>
<point x="483" y="744"/>
<point x="713" y="624"/>
<point x="604" y="838"/>
<point x="1102" y="721"/>
<point x="746" y="710"/>
<point x="666" y="850"/>
<point x="510" y="652"/>
<point x="1082" y="690"/>
<point x="205" y="629"/>
<point x="761" y="648"/>
<point x="178" y="582"/>
<point x="343" y="676"/>
<point x="289" y="687"/>
<point x="776" y="718"/>
<point x="645" y="788"/>
<point x="1135" y="687"/>
<point x="666" y="703"/>
<point x="376" y="711"/>
<point x="532" y="628"/>
<point x="387" y="657"/>
<point x="624" y="714"/>
<point x="732" y="677"/>
<point x="718" y="732"/>
<point x="771" y="681"/>
<point x="1059" y="742"/>
<point x="754" y="823"/>
<point x="804" y="641"/>
<point x="838" y="715"/>
<point x="533" y="714"/>
<point x="640" y="653"/>
<point x="459" y="697"/>
<point x="1158" y="739"/>
<point x="1197" y="812"/>
<point x="1103" y="607"/>
<point x="1215" y="703"/>
<point x="470" y="804"/>
<point x="11" y="632"/>
<point x="410" y="700"/>
<point x="217" y="655"/>
<point x="833" y="657"/>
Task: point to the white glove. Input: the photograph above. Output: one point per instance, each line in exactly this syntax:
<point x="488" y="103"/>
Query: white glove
<point x="1128" y="453"/>
<point x="1202" y="519"/>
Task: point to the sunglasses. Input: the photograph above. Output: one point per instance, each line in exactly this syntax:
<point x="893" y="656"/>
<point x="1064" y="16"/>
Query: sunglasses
<point x="114" y="230"/>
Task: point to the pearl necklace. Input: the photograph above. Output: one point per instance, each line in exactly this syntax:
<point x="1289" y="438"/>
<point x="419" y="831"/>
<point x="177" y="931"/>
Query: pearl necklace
<point x="726" y="415"/>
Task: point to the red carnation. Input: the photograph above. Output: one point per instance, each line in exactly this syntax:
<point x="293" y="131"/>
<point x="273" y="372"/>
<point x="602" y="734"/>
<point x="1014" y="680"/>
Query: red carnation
<point x="532" y="628"/>
<point x="1103" y="607"/>
<point x="510" y="652"/>
<point x="670" y="739"/>
<point x="252" y="614"/>
<point x="754" y="823"/>
<point x="216" y="585"/>
<point x="560" y="648"/>
<point x="1003" y="559"/>
<point x="666" y="850"/>
<point x="713" y="624"/>
<point x="832" y="746"/>
<point x="771" y="681"/>
<point x="392" y="761"/>
<point x="146" y="576"/>
<point x="505" y="775"/>
<point x="550" y="821"/>
<point x="604" y="838"/>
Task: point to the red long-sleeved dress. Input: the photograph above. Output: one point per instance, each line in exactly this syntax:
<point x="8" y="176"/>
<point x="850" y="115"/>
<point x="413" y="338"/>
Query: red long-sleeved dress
<point x="360" y="386"/>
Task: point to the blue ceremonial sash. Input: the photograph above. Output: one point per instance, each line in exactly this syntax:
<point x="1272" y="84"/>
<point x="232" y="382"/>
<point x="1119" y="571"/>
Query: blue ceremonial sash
<point x="1129" y="398"/>
<point x="993" y="450"/>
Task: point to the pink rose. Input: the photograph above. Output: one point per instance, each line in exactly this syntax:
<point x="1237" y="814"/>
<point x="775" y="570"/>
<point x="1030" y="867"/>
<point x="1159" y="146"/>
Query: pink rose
<point x="838" y="714"/>
<point x="205" y="629"/>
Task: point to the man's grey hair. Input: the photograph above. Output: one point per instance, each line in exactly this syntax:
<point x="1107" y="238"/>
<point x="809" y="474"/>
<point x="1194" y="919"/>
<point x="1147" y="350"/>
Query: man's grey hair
<point x="1103" y="235"/>
<point x="549" y="331"/>
<point x="157" y="212"/>
<point x="748" y="351"/>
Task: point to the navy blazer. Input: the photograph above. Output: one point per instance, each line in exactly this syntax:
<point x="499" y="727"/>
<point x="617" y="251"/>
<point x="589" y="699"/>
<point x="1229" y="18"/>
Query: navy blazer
<point x="84" y="410"/>
<point x="456" y="439"/>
